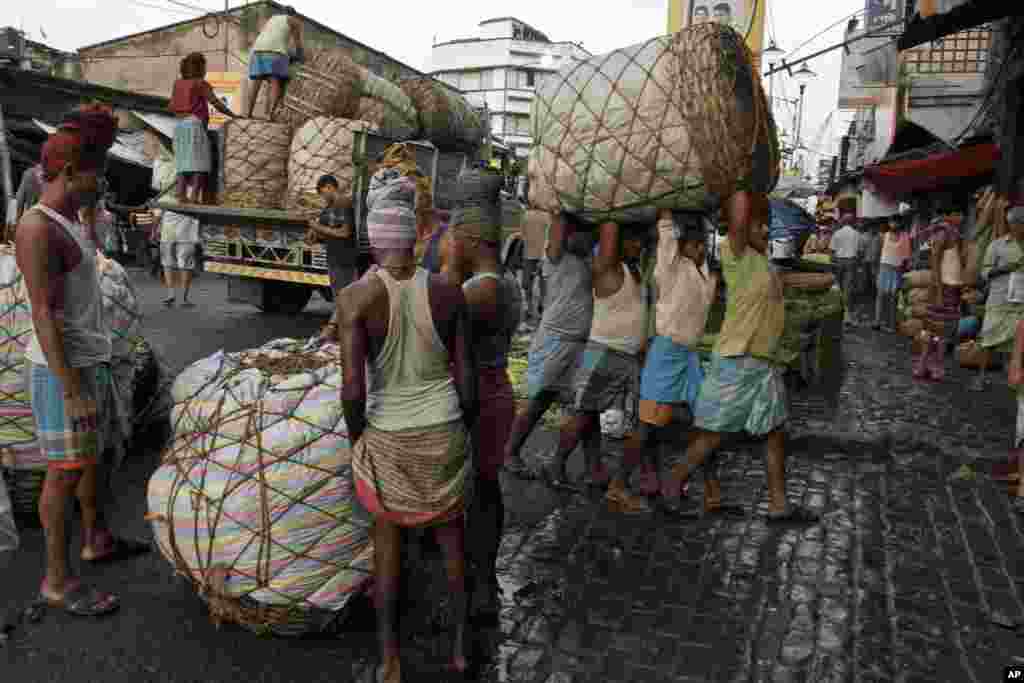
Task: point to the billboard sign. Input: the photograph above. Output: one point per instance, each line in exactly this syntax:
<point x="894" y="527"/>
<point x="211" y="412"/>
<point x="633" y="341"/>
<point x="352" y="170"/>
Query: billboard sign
<point x="228" y="87"/>
<point x="878" y="13"/>
<point x="746" y="16"/>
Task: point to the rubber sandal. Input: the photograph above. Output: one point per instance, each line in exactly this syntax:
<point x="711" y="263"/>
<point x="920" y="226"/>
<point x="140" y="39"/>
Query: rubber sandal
<point x="169" y="302"/>
<point x="84" y="601"/>
<point x="795" y="514"/>
<point x="118" y="549"/>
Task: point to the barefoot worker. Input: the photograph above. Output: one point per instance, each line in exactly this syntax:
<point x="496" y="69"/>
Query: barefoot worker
<point x="270" y="59"/>
<point x="672" y="374"/>
<point x="608" y="376"/>
<point x="472" y="259"/>
<point x="744" y="389"/>
<point x="409" y="331"/>
<point x="563" y="332"/>
<point x="69" y="356"/>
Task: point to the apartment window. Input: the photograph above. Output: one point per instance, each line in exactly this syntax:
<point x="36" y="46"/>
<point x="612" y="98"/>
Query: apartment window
<point x="965" y="52"/>
<point x="522" y="79"/>
<point x="471" y="80"/>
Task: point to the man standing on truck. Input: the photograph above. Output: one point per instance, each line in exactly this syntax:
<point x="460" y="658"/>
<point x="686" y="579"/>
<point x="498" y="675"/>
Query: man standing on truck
<point x="270" y="59"/>
<point x="336" y="228"/>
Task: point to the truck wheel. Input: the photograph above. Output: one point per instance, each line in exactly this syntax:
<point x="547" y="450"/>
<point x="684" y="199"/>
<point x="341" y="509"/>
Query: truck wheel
<point x="284" y="297"/>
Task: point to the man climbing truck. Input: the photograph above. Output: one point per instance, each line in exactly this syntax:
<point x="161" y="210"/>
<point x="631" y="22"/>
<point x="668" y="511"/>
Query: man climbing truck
<point x="264" y="253"/>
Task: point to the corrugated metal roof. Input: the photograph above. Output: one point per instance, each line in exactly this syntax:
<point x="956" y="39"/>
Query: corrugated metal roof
<point x="127" y="148"/>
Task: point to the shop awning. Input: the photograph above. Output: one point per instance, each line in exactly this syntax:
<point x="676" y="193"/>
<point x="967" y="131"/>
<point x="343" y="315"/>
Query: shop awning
<point x="127" y="148"/>
<point x="935" y="171"/>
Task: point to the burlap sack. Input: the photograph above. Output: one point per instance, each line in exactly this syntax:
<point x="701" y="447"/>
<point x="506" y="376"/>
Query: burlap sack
<point x="255" y="163"/>
<point x="678" y="122"/>
<point x="321" y="146"/>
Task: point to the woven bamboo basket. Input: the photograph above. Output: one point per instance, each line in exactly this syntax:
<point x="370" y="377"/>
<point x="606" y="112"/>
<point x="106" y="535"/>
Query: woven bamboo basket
<point x="253" y="500"/>
<point x="322" y="146"/>
<point x="255" y="163"/>
<point x="327" y="84"/>
<point x="677" y="122"/>
<point x="446" y="118"/>
<point x="809" y="282"/>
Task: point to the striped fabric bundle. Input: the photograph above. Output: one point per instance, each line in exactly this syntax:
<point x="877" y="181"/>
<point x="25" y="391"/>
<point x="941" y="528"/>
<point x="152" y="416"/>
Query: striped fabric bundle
<point x="256" y="486"/>
<point x="17" y="428"/>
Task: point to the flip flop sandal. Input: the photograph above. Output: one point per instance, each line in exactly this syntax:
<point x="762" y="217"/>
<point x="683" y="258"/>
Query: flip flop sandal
<point x="796" y="515"/>
<point x="84" y="601"/>
<point x="169" y="302"/>
<point x="117" y="549"/>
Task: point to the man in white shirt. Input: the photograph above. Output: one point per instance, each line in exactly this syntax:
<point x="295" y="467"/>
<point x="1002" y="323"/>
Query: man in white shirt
<point x="845" y="248"/>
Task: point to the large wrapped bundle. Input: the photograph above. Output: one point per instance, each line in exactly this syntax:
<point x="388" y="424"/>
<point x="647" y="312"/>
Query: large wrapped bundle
<point x="446" y="118"/>
<point x="326" y="84"/>
<point x="121" y="313"/>
<point x="17" y="428"/>
<point x="255" y="163"/>
<point x="808" y="282"/>
<point x="678" y="122"/>
<point x="322" y="146"/>
<point x="388" y="108"/>
<point x="253" y="501"/>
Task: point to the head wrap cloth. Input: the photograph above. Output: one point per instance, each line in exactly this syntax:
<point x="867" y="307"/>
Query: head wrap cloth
<point x="82" y="138"/>
<point x="397" y="193"/>
<point x="477" y="213"/>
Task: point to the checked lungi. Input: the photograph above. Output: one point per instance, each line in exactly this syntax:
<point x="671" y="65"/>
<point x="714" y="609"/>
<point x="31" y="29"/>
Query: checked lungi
<point x="742" y="394"/>
<point x="608" y="379"/>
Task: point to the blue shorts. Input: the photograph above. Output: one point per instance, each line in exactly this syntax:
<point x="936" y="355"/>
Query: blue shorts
<point x="263" y="65"/>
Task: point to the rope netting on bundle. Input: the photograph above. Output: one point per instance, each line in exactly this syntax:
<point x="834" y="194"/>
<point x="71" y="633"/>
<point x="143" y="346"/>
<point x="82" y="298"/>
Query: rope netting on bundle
<point x="321" y="146"/>
<point x="327" y="84"/>
<point x="253" y="501"/>
<point x="677" y="122"/>
<point x="446" y="118"/>
<point x="255" y="163"/>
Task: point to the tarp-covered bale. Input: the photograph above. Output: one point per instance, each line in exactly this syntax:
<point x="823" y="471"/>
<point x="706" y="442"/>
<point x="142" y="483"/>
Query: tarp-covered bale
<point x="18" y="447"/>
<point x="253" y="501"/>
<point x="677" y="122"/>
<point x="322" y="146"/>
<point x="446" y="119"/>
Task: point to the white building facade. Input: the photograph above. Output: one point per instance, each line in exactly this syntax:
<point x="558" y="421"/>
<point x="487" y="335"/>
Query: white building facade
<point x="500" y="68"/>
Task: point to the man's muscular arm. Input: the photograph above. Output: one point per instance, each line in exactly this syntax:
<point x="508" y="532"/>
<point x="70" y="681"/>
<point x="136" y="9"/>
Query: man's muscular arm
<point x="607" y="267"/>
<point x="464" y="363"/>
<point x="354" y="352"/>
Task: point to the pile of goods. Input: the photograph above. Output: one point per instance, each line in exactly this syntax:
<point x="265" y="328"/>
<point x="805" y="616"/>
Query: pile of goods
<point x="321" y="146"/>
<point x="917" y="295"/>
<point x="135" y="370"/>
<point x="255" y="163"/>
<point x="445" y="117"/>
<point x="678" y="122"/>
<point x="253" y="500"/>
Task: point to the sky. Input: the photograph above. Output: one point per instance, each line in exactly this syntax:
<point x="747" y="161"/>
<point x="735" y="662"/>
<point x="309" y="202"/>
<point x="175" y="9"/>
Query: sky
<point x="600" y="26"/>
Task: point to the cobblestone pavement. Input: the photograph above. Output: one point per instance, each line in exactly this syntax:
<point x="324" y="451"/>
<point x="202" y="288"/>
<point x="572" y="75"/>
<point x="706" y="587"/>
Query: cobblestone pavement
<point x="916" y="572"/>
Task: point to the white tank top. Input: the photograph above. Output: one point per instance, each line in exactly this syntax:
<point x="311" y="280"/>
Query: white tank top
<point x="274" y="36"/>
<point x="620" y="320"/>
<point x="951" y="268"/>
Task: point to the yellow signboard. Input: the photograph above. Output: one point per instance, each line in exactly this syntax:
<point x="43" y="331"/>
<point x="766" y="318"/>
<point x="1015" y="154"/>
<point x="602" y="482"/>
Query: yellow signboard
<point x="228" y="87"/>
<point x="746" y="16"/>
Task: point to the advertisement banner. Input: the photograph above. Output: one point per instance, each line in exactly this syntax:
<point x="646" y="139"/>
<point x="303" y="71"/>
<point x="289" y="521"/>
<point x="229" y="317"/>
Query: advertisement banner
<point x="878" y="13"/>
<point x="228" y="87"/>
<point x="746" y="16"/>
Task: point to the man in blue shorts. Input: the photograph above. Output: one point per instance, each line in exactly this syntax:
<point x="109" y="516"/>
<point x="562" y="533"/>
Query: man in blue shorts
<point x="270" y="59"/>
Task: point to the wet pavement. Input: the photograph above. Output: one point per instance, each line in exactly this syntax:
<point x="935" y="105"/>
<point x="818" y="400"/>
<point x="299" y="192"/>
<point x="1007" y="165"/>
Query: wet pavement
<point x="916" y="572"/>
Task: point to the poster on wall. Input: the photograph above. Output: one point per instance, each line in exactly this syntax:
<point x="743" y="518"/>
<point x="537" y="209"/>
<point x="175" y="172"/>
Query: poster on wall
<point x="878" y="13"/>
<point x="228" y="87"/>
<point x="745" y="16"/>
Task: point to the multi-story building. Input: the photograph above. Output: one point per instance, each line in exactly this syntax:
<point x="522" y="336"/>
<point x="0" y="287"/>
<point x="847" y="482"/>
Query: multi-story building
<point x="500" y="68"/>
<point x="18" y="51"/>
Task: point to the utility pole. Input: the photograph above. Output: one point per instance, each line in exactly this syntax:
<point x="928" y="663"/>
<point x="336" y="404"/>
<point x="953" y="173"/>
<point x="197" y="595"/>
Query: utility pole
<point x="5" y="170"/>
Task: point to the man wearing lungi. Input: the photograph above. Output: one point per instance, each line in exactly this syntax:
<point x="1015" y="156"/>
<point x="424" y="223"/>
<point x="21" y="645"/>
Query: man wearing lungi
<point x="411" y="426"/>
<point x="744" y="390"/>
<point x="269" y="59"/>
<point x="563" y="332"/>
<point x="69" y="356"/>
<point x="672" y="373"/>
<point x="608" y="375"/>
<point x="1003" y="266"/>
<point x="472" y="259"/>
<point x="947" y="286"/>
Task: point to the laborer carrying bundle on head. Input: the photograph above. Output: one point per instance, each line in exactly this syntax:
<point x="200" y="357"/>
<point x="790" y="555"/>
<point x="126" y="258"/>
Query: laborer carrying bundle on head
<point x="69" y="355"/>
<point x="191" y="99"/>
<point x="672" y="375"/>
<point x="270" y="59"/>
<point x="411" y="426"/>
<point x="1003" y="270"/>
<point x="744" y="390"/>
<point x="563" y="332"/>
<point x="471" y="257"/>
<point x="945" y="307"/>
<point x="608" y="374"/>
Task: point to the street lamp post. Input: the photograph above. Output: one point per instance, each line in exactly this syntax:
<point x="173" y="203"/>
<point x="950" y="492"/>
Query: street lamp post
<point x="804" y="74"/>
<point x="771" y="53"/>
